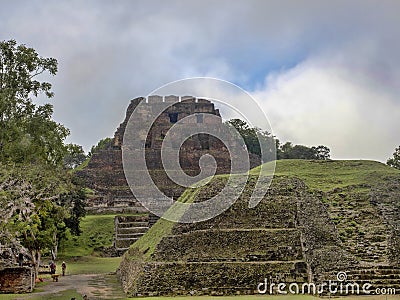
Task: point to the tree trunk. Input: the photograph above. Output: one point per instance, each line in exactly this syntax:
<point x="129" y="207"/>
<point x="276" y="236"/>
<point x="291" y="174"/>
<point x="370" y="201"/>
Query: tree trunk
<point x="55" y="247"/>
<point x="36" y="257"/>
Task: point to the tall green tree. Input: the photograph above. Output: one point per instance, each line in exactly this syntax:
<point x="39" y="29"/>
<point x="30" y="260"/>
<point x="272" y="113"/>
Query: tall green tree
<point x="322" y="152"/>
<point x="395" y="160"/>
<point x="27" y="132"/>
<point x="39" y="201"/>
<point x="40" y="204"/>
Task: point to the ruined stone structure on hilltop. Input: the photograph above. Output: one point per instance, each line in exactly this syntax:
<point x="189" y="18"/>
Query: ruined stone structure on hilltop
<point x="104" y="173"/>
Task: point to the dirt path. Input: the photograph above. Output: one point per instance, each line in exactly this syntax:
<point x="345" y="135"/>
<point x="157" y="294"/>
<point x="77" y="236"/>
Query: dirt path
<point x="95" y="286"/>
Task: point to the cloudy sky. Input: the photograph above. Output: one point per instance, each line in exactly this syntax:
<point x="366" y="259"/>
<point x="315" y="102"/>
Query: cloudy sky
<point x="325" y="72"/>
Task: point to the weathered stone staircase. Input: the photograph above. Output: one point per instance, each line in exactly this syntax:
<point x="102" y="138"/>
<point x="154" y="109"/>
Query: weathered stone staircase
<point x="128" y="229"/>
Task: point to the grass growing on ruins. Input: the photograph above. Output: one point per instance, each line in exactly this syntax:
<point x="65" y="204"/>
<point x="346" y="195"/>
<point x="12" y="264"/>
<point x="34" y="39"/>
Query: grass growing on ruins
<point x="97" y="232"/>
<point x="328" y="175"/>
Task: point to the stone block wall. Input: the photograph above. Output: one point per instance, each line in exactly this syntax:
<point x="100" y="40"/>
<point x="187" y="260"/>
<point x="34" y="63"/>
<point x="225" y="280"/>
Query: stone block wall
<point x="16" y="280"/>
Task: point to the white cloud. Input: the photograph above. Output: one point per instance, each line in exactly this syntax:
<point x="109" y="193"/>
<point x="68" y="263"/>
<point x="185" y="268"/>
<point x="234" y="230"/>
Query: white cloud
<point x="323" y="103"/>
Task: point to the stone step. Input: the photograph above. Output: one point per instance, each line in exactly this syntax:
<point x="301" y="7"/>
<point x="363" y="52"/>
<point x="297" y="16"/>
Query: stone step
<point x="215" y="278"/>
<point x="132" y="230"/>
<point x="124" y="243"/>
<point x="133" y="238"/>
<point x="133" y="224"/>
<point x="132" y="234"/>
<point x="381" y="270"/>
<point x="122" y="249"/>
<point x="128" y="219"/>
<point x="388" y="281"/>
<point x="138" y="229"/>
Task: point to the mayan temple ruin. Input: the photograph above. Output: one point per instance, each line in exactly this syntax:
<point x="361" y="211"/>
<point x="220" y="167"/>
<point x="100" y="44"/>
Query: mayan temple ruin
<point x="104" y="173"/>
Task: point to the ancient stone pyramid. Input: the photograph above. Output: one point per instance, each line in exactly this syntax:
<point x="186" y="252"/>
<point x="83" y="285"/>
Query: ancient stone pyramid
<point x="318" y="218"/>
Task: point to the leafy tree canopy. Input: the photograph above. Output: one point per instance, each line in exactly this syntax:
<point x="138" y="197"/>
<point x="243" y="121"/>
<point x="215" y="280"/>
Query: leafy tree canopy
<point x="290" y="151"/>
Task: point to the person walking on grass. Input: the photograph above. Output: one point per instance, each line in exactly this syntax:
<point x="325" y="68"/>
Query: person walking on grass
<point x="63" y="267"/>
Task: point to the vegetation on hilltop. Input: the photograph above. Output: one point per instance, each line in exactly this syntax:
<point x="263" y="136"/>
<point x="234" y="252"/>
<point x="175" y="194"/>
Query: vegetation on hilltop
<point x="257" y="139"/>
<point x="395" y="160"/>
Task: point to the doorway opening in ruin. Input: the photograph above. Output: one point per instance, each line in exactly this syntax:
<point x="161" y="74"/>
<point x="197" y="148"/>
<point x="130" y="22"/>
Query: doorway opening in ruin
<point x="173" y="117"/>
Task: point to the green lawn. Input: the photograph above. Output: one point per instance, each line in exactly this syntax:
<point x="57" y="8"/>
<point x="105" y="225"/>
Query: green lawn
<point x="68" y="294"/>
<point x="92" y="265"/>
<point x="97" y="233"/>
